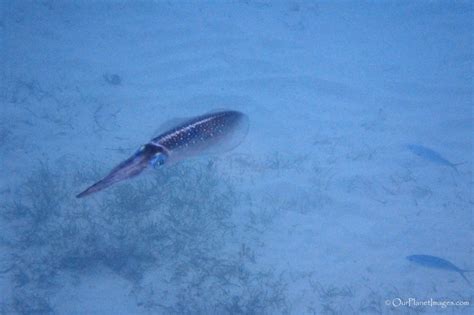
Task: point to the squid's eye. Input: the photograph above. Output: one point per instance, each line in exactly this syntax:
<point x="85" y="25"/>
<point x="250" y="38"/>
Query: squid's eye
<point x="158" y="160"/>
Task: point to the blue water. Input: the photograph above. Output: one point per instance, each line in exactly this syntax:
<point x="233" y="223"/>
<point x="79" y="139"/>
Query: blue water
<point x="313" y="213"/>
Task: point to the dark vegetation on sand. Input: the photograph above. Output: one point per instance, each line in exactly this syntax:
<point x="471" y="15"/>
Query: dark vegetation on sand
<point x="175" y="222"/>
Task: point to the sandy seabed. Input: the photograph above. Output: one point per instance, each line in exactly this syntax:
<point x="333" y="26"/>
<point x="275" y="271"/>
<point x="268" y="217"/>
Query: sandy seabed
<point x="314" y="213"/>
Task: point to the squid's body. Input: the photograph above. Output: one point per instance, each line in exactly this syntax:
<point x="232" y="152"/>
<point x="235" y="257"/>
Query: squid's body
<point x="206" y="134"/>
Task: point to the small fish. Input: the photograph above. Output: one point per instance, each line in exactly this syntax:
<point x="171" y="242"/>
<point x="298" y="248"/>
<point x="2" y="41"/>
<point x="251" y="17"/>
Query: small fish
<point x="438" y="263"/>
<point x="431" y="155"/>
<point x="210" y="133"/>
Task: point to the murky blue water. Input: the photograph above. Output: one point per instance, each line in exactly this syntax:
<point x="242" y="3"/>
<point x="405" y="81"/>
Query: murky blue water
<point x="359" y="153"/>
